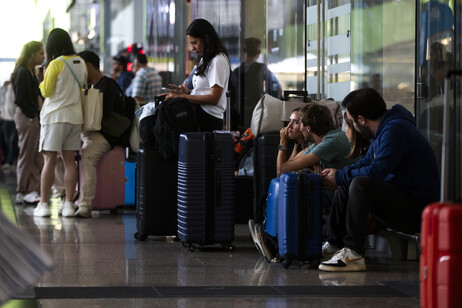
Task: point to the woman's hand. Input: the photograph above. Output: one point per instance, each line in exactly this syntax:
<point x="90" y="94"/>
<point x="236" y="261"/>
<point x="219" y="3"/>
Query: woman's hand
<point x="284" y="134"/>
<point x="171" y="94"/>
<point x="179" y="89"/>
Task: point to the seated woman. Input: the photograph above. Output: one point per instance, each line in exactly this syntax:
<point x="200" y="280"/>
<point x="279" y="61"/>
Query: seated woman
<point x="210" y="80"/>
<point x="330" y="147"/>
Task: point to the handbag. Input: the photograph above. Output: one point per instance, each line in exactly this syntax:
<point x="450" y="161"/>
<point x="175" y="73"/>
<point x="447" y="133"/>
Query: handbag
<point x="92" y="104"/>
<point x="266" y="117"/>
<point x="92" y="109"/>
<point x="115" y="125"/>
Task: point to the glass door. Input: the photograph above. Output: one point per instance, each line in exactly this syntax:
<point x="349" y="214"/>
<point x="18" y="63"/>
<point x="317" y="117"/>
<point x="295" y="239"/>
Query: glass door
<point x="438" y="53"/>
<point x="328" y="63"/>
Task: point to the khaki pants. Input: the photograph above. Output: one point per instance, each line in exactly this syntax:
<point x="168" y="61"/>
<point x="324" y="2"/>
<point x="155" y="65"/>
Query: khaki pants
<point x="93" y="148"/>
<point x="30" y="160"/>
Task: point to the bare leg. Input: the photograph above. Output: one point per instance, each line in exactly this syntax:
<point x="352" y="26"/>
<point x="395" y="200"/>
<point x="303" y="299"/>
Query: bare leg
<point x="70" y="173"/>
<point x="48" y="175"/>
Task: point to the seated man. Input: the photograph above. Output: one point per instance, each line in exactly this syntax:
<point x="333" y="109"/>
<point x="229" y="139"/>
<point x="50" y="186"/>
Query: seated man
<point x="393" y="182"/>
<point x="120" y="74"/>
<point x="96" y="144"/>
<point x="330" y="147"/>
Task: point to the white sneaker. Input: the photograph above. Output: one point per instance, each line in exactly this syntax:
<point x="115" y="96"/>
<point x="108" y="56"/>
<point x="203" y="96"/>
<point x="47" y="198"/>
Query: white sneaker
<point x="68" y="209"/>
<point x="345" y="260"/>
<point x="19" y="198"/>
<point x="84" y="212"/>
<point x="42" y="210"/>
<point x="32" y="197"/>
<point x="253" y="234"/>
<point x="328" y="250"/>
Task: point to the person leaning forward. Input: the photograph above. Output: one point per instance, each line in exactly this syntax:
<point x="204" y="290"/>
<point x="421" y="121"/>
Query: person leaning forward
<point x="392" y="182"/>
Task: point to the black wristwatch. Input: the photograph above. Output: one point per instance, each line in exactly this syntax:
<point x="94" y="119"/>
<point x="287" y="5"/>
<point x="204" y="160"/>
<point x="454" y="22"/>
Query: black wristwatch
<point x="282" y="147"/>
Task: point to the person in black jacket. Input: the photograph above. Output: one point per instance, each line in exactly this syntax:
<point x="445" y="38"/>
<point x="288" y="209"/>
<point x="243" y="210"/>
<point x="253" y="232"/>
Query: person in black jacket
<point x="96" y="144"/>
<point x="26" y="118"/>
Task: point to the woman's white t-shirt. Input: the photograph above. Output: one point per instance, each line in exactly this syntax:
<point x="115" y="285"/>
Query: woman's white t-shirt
<point x="217" y="74"/>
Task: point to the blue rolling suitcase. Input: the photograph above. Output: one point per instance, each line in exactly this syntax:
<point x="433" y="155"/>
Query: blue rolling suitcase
<point x="206" y="189"/>
<point x="272" y="208"/>
<point x="300" y="218"/>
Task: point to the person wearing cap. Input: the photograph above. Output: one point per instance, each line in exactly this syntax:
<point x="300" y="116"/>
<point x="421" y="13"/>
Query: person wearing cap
<point x="120" y="74"/>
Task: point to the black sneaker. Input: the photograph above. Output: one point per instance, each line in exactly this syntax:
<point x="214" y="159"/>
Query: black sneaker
<point x="268" y="244"/>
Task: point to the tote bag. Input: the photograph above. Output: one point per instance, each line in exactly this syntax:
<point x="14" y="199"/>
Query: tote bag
<point x="92" y="104"/>
<point x="92" y="109"/>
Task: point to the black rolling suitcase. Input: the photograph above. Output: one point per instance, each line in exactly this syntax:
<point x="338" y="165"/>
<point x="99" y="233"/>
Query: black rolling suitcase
<point x="155" y="194"/>
<point x="266" y="154"/>
<point x="206" y="189"/>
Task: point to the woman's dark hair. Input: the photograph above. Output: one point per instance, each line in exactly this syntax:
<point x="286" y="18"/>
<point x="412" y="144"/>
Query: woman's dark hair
<point x="58" y="43"/>
<point x="202" y="29"/>
<point x="317" y="117"/>
<point x="359" y="144"/>
<point x="366" y="102"/>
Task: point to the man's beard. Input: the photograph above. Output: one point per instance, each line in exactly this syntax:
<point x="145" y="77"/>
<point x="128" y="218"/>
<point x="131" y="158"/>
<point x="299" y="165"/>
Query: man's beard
<point x="365" y="131"/>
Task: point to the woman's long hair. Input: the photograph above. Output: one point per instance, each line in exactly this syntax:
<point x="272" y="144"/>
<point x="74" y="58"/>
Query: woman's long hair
<point x="202" y="29"/>
<point x="58" y="43"/>
<point x="27" y="52"/>
<point x="359" y="144"/>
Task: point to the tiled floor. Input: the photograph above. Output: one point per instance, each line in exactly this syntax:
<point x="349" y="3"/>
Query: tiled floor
<point x="100" y="264"/>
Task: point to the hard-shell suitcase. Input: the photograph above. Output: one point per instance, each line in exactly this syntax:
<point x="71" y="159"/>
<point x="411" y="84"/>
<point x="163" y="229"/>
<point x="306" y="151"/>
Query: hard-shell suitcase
<point x="441" y="256"/>
<point x="300" y="218"/>
<point x="155" y="194"/>
<point x="206" y="189"/>
<point x="243" y="199"/>
<point x="265" y="169"/>
<point x="110" y="181"/>
<point x="272" y="208"/>
<point x="130" y="168"/>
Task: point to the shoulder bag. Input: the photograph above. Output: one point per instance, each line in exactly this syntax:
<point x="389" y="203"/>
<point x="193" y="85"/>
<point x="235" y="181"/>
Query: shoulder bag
<point x="92" y="104"/>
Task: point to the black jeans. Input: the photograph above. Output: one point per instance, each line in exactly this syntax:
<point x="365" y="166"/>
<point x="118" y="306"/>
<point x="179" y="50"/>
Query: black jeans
<point x="390" y="205"/>
<point x="207" y="123"/>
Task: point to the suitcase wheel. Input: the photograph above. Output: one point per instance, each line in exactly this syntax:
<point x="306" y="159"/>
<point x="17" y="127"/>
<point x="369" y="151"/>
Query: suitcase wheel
<point x="190" y="246"/>
<point x="228" y="246"/>
<point x="287" y="260"/>
<point x="140" y="236"/>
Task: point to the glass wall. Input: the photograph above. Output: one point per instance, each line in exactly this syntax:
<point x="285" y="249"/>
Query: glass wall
<point x="328" y="63"/>
<point x="383" y="49"/>
<point x="285" y="36"/>
<point x="439" y="51"/>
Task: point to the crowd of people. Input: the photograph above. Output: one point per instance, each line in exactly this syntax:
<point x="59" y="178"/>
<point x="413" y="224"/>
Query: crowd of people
<point x="381" y="167"/>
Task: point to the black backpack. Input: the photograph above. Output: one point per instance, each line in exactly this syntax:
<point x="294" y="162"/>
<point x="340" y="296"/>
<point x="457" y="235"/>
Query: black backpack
<point x="245" y="97"/>
<point x="162" y="130"/>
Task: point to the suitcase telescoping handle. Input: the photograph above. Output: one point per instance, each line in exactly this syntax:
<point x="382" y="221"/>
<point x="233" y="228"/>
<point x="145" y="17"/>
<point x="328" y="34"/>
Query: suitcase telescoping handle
<point x="304" y="94"/>
<point x="445" y="150"/>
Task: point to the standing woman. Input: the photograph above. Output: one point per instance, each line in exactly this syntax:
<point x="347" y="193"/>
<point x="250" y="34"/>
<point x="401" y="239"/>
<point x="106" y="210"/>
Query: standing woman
<point x="210" y="81"/>
<point x="61" y="117"/>
<point x="27" y="98"/>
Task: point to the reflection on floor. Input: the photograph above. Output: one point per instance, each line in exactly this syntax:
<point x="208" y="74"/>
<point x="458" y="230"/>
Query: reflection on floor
<point x="100" y="264"/>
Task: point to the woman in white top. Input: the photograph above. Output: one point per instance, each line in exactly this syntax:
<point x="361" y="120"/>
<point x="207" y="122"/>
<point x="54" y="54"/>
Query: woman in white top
<point x="210" y="81"/>
<point x="61" y="117"/>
